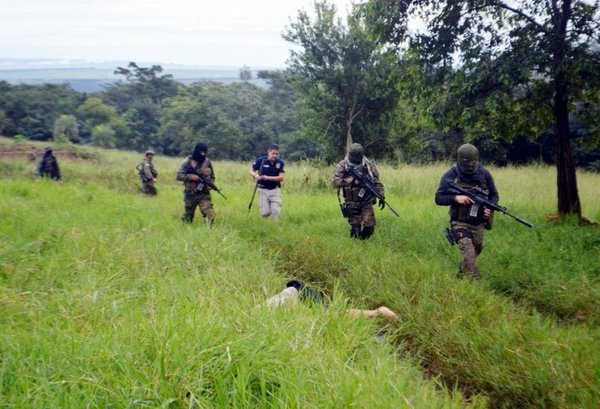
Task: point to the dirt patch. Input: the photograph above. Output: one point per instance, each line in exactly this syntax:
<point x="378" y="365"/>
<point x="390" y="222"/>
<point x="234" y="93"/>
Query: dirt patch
<point x="31" y="152"/>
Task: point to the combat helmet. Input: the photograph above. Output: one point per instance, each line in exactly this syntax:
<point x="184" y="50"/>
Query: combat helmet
<point x="356" y="153"/>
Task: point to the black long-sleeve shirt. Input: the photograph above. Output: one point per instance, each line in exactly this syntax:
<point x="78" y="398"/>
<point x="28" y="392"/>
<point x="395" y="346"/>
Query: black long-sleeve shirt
<point x="482" y="177"/>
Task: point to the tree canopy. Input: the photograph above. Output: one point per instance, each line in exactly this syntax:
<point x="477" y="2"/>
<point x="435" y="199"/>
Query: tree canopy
<point x="512" y="67"/>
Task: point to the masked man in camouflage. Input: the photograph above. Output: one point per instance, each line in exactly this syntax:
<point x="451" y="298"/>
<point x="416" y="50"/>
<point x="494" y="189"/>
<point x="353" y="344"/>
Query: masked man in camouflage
<point x="358" y="206"/>
<point x="197" y="193"/>
<point x="148" y="174"/>
<point x="467" y="225"/>
<point x="48" y="166"/>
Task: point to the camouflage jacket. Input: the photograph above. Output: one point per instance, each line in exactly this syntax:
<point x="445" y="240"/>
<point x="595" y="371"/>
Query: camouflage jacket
<point x="184" y="173"/>
<point x="351" y="190"/>
<point x="147" y="171"/>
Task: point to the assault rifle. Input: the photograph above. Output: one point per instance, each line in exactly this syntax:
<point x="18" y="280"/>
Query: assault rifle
<point x="255" y="186"/>
<point x="367" y="185"/>
<point x="479" y="198"/>
<point x="205" y="179"/>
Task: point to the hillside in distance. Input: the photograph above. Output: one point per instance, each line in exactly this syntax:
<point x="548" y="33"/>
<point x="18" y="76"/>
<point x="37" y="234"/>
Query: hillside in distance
<point x="86" y="76"/>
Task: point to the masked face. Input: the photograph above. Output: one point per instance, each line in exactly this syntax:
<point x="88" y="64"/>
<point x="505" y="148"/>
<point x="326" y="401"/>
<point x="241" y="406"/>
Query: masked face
<point x="356" y="154"/>
<point x="199" y="153"/>
<point x="468" y="158"/>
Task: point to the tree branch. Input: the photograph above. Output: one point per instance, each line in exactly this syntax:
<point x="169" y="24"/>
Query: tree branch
<point x="520" y="13"/>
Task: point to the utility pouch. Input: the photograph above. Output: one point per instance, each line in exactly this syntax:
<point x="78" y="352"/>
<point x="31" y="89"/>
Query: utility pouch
<point x="345" y="210"/>
<point x="489" y="222"/>
<point x="200" y="187"/>
<point x="362" y="192"/>
<point x="474" y="210"/>
<point x="450" y="236"/>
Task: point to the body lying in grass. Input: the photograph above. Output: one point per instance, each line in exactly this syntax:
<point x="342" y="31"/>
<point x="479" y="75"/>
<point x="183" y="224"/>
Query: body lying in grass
<point x="296" y="290"/>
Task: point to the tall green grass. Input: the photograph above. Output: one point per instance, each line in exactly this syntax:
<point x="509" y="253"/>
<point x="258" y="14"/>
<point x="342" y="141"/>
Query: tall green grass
<point x="108" y="300"/>
<point x="146" y="311"/>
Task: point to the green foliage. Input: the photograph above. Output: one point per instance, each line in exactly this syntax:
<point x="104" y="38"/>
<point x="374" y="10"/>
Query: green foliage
<point x="108" y="300"/>
<point x="66" y="129"/>
<point x="103" y="136"/>
<point x="95" y="112"/>
<point x="32" y="110"/>
<point x="521" y="66"/>
<point x="245" y="73"/>
<point x="345" y="80"/>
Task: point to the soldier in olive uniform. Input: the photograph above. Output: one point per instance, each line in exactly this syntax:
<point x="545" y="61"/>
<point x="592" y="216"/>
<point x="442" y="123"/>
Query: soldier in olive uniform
<point x="467" y="226"/>
<point x="358" y="202"/>
<point x="197" y="193"/>
<point x="148" y="174"/>
<point x="48" y="166"/>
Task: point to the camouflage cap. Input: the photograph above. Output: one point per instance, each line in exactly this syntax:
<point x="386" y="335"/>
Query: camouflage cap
<point x="149" y="152"/>
<point x="467" y="158"/>
<point x="356" y="153"/>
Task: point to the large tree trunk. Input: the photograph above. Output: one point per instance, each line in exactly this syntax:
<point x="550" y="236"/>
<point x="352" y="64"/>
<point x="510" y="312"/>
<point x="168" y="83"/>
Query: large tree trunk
<point x="568" y="197"/>
<point x="349" y="140"/>
<point x="566" y="180"/>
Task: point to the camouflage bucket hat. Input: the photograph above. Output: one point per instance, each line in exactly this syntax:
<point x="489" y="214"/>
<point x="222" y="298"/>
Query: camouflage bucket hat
<point x="149" y="152"/>
<point x="467" y="158"/>
<point x="356" y="153"/>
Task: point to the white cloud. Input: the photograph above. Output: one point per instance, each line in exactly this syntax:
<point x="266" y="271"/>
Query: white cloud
<point x="209" y="32"/>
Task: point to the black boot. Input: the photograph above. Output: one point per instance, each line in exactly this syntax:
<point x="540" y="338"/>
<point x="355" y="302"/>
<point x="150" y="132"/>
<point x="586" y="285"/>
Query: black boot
<point x="367" y="232"/>
<point x="355" y="232"/>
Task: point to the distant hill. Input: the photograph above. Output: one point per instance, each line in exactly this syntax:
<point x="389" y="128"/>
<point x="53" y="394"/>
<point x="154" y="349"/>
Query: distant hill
<point x="93" y="76"/>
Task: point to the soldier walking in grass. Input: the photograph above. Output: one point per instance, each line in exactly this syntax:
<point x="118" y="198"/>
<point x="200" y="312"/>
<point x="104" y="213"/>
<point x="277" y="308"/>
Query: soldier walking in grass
<point x="48" y="166"/>
<point x="468" y="221"/>
<point x="358" y="205"/>
<point x="268" y="172"/>
<point x="148" y="174"/>
<point x="196" y="192"/>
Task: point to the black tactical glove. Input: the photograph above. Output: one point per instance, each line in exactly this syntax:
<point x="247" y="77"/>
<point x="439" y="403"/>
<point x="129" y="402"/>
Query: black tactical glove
<point x="381" y="203"/>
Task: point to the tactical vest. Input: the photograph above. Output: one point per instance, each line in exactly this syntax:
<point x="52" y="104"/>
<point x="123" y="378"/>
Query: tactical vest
<point x="356" y="193"/>
<point x="197" y="186"/>
<point x="463" y="213"/>
<point x="141" y="171"/>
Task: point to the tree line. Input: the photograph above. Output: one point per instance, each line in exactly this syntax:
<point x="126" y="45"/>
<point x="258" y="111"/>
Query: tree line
<point x="521" y="81"/>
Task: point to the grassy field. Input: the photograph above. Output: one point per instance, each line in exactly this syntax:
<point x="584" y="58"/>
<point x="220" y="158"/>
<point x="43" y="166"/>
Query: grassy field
<point x="108" y="300"/>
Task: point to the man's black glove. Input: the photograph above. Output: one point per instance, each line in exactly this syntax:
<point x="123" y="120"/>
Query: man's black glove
<point x="381" y="204"/>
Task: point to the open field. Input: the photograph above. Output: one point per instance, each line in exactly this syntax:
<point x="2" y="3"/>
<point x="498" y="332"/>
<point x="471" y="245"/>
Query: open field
<point x="109" y="300"/>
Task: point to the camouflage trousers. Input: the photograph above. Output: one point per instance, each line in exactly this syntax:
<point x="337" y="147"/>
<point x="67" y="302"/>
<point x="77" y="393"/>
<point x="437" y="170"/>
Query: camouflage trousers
<point x="361" y="220"/>
<point x="200" y="199"/>
<point x="470" y="243"/>
<point x="148" y="188"/>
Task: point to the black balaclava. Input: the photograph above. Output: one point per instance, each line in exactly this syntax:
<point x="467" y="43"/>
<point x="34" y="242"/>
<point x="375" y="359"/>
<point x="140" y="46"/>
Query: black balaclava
<point x="196" y="155"/>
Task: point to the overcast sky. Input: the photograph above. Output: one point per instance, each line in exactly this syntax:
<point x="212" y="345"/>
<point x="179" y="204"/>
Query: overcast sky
<point x="200" y="32"/>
